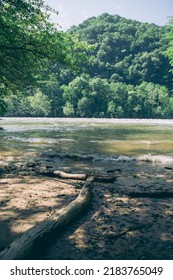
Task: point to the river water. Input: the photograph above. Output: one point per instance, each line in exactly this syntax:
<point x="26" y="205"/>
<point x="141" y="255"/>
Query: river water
<point x="105" y="139"/>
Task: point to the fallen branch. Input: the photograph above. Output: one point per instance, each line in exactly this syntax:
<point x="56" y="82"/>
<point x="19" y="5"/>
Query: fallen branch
<point x="168" y="167"/>
<point x="78" y="176"/>
<point x="65" y="175"/>
<point x="30" y="241"/>
<point x="96" y="178"/>
<point x="158" y="194"/>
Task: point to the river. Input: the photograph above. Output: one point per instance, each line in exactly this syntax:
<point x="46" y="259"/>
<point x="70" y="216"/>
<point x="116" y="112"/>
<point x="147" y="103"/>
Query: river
<point x="106" y="139"/>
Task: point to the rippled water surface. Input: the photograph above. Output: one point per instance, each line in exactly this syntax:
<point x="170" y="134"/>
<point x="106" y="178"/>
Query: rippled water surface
<point x="99" y="137"/>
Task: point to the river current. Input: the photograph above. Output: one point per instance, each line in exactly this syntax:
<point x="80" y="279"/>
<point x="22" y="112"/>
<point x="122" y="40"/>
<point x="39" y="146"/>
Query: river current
<point x="105" y="139"/>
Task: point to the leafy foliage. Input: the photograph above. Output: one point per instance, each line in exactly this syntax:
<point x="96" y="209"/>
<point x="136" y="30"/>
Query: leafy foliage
<point x="129" y="75"/>
<point x="120" y="69"/>
<point x="36" y="105"/>
<point x="131" y="50"/>
<point x="27" y="40"/>
<point x="30" y="43"/>
<point x="169" y="35"/>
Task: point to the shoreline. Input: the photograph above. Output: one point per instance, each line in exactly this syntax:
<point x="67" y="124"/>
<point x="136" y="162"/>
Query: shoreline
<point x="146" y="121"/>
<point x="116" y="225"/>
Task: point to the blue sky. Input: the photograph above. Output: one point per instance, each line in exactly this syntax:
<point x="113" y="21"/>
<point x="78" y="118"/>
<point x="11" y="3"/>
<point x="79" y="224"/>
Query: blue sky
<point x="73" y="12"/>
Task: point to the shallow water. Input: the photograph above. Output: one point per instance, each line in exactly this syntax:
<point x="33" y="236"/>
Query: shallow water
<point x="104" y="138"/>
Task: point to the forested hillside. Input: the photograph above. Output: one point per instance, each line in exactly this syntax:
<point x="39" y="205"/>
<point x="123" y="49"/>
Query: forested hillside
<point x="127" y="74"/>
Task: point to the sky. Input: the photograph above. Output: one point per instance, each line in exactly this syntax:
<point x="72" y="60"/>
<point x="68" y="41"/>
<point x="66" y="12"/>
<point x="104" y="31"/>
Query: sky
<point x="74" y="12"/>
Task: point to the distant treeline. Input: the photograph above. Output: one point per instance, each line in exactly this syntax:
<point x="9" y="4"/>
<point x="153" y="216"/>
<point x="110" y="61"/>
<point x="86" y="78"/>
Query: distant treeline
<point x="127" y="74"/>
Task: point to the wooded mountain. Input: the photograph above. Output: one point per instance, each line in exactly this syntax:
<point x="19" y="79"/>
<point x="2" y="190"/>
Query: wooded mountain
<point x="127" y="74"/>
<point x="127" y="50"/>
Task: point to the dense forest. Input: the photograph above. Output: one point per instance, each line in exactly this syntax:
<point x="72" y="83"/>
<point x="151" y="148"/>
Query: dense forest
<point x="127" y="74"/>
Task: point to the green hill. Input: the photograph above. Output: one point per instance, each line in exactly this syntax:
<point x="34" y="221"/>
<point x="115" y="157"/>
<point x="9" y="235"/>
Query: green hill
<point x="127" y="74"/>
<point x="127" y="50"/>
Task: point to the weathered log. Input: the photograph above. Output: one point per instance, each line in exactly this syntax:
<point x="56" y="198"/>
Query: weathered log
<point x="27" y="244"/>
<point x="65" y="175"/>
<point x="102" y="178"/>
<point x="152" y="194"/>
<point x="96" y="178"/>
<point x="168" y="167"/>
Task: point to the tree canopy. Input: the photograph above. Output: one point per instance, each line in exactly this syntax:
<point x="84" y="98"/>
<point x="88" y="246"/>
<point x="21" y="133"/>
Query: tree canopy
<point x="127" y="50"/>
<point x="29" y="43"/>
<point x="27" y="40"/>
<point x="123" y="68"/>
<point x="170" y="38"/>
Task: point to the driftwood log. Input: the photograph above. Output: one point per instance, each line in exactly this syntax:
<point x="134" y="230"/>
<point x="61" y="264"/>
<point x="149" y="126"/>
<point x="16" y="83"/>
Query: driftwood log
<point x="30" y="241"/>
<point x="152" y="194"/>
<point x="24" y="246"/>
<point x="65" y="175"/>
<point x="102" y="178"/>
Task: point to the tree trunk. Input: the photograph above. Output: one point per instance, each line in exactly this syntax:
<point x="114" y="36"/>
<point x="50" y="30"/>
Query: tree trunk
<point x="30" y="241"/>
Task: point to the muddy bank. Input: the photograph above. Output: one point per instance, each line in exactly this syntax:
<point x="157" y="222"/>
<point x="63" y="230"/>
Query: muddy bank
<point x="123" y="221"/>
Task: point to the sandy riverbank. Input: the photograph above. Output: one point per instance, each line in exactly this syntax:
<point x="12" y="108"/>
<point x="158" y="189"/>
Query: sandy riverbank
<point x="122" y="221"/>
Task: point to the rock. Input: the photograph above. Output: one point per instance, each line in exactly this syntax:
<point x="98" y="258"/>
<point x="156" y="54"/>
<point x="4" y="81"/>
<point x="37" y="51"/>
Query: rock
<point x="31" y="164"/>
<point x="114" y="170"/>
